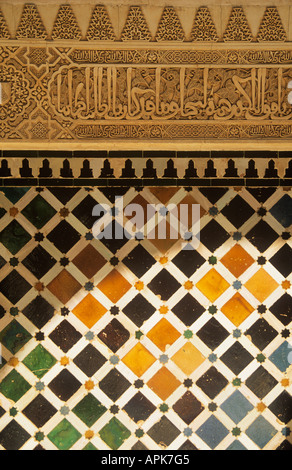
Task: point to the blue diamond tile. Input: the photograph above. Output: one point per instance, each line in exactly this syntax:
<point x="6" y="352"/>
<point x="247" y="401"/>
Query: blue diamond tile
<point x="282" y="357"/>
<point x="236" y="445"/>
<point x="261" y="432"/>
<point x="237" y="407"/>
<point x="212" y="432"/>
<point x="282" y="211"/>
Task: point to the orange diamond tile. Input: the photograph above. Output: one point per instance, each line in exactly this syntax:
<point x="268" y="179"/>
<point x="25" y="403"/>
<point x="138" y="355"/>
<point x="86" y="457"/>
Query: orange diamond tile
<point x="114" y="286"/>
<point x="212" y="285"/>
<point x="261" y="285"/>
<point x="89" y="310"/>
<point x="237" y="309"/>
<point x="163" y="334"/>
<point x="139" y="359"/>
<point x="89" y="261"/>
<point x="64" y="286"/>
<point x="188" y="358"/>
<point x="164" y="194"/>
<point x="189" y="201"/>
<point x="162" y="244"/>
<point x="163" y="383"/>
<point x="237" y="260"/>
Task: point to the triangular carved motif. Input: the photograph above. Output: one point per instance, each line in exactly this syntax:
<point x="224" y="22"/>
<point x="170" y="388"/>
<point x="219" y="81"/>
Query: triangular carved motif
<point x="4" y="33"/>
<point x="271" y="28"/>
<point x="237" y="28"/>
<point x="203" y="28"/>
<point x="66" y="26"/>
<point x="136" y="27"/>
<point x="100" y="27"/>
<point x="170" y="28"/>
<point x="31" y="25"/>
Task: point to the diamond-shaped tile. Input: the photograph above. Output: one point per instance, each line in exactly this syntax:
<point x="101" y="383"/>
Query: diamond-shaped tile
<point x="236" y="406"/>
<point x="282" y="309"/>
<point x="212" y="382"/>
<point x="212" y="285"/>
<point x="212" y="432"/>
<point x="188" y="310"/>
<point x="237" y="309"/>
<point x="261" y="382"/>
<point x="64" y="435"/>
<point x="163" y="334"/>
<point x="212" y="334"/>
<point x="39" y="411"/>
<point x="188" y="358"/>
<point x="213" y="235"/>
<point x="237" y="260"/>
<point x="164" y="432"/>
<point x="89" y="261"/>
<point x="281" y="357"/>
<point x="65" y="336"/>
<point x="14" y="386"/>
<point x="261" y="432"/>
<point x="64" y="286"/>
<point x="89" y="409"/>
<point x="282" y="407"/>
<point x="89" y="310"/>
<point x="114" y="335"/>
<point x="188" y="407"/>
<point x="188" y="261"/>
<point x="64" y="385"/>
<point x="89" y="360"/>
<point x="14" y="336"/>
<point x="236" y="358"/>
<point x="262" y="236"/>
<point x="14" y="237"/>
<point x="139" y="261"/>
<point x="64" y="236"/>
<point x="238" y="211"/>
<point x="282" y="211"/>
<point x="114" y="434"/>
<point x="261" y="285"/>
<point x="39" y="311"/>
<point x="164" y="285"/>
<point x="83" y="212"/>
<point x="114" y="286"/>
<point x="139" y="359"/>
<point x="14" y="287"/>
<point x="39" y="262"/>
<point x="114" y="384"/>
<point x="139" y="310"/>
<point x="13" y="436"/>
<point x="139" y="408"/>
<point x="282" y="260"/>
<point x="163" y="383"/>
<point x="261" y="333"/>
<point x="39" y="212"/>
<point x="39" y="361"/>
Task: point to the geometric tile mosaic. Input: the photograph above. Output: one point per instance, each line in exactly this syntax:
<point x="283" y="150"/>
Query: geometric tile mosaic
<point x="133" y="344"/>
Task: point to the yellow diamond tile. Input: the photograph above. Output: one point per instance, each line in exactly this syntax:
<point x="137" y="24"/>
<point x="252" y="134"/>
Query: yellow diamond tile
<point x="188" y="358"/>
<point x="237" y="309"/>
<point x="163" y="383"/>
<point x="163" y="334"/>
<point x="114" y="286"/>
<point x="89" y="310"/>
<point x="139" y="359"/>
<point x="237" y="260"/>
<point x="261" y="285"/>
<point x="212" y="285"/>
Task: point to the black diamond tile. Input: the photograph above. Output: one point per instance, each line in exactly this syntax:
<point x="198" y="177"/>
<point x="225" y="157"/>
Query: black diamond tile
<point x="139" y="261"/>
<point x="212" y="382"/>
<point x="13" y="436"/>
<point x="112" y="193"/>
<point x="114" y="335"/>
<point x="39" y="411"/>
<point x="39" y="262"/>
<point x="188" y="407"/>
<point x="14" y="287"/>
<point x="261" y="382"/>
<point x="64" y="194"/>
<point x="139" y="310"/>
<point x="139" y="408"/>
<point x="39" y="311"/>
<point x="285" y="445"/>
<point x="282" y="260"/>
<point x="188" y="261"/>
<point x="164" y="432"/>
<point x="261" y="333"/>
<point x="262" y="236"/>
<point x="83" y="212"/>
<point x="213" y="235"/>
<point x="187" y="446"/>
<point x="114" y="244"/>
<point x="114" y="384"/>
<point x="2" y="262"/>
<point x="212" y="334"/>
<point x="89" y="360"/>
<point x="261" y="194"/>
<point x="188" y="309"/>
<point x="64" y="236"/>
<point x="282" y="309"/>
<point x="64" y="385"/>
<point x="238" y="211"/>
<point x="282" y="407"/>
<point x="236" y="358"/>
<point x="164" y="285"/>
<point x="213" y="194"/>
<point x="65" y="336"/>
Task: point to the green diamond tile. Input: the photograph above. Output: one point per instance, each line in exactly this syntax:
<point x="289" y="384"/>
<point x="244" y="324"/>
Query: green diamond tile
<point x="114" y="434"/>
<point x="14" y="237"/>
<point x="89" y="410"/>
<point x="64" y="435"/>
<point x="14" y="194"/>
<point x="14" y="336"/>
<point x="14" y="386"/>
<point x="89" y="446"/>
<point x="39" y="212"/>
<point x="39" y="361"/>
